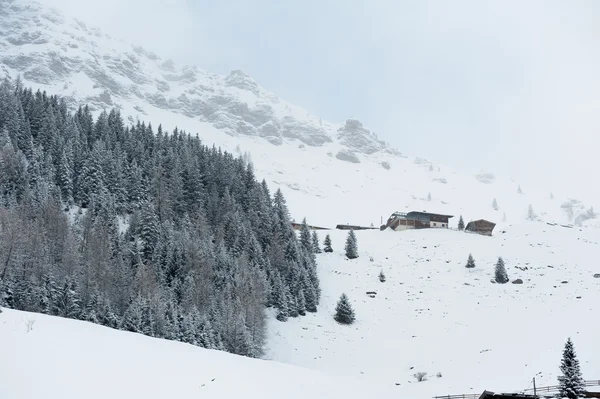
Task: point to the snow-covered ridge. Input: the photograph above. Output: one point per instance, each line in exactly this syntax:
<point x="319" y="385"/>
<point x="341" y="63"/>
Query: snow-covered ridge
<point x="48" y="49"/>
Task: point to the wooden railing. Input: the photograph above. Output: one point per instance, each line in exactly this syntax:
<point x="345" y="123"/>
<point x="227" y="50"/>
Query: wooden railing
<point x="541" y="391"/>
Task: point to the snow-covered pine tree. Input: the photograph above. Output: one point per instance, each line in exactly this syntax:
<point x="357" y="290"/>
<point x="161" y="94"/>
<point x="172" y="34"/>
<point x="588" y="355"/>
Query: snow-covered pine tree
<point x="327" y="244"/>
<point x="495" y="205"/>
<point x="381" y="276"/>
<point x="344" y="314"/>
<point x="351" y="247"/>
<point x="571" y="383"/>
<point x="500" y="275"/>
<point x="530" y="214"/>
<point x="315" y="243"/>
<point x="461" y="223"/>
<point x="305" y="238"/>
<point x="470" y="262"/>
<point x="519" y="190"/>
<point x="67" y="303"/>
<point x="429" y="197"/>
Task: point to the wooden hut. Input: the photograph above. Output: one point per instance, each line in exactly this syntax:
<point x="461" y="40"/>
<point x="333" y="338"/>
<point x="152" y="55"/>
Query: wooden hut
<point x="483" y="227"/>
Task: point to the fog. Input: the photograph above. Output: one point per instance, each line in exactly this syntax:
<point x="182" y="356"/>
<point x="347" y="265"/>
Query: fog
<point x="510" y="87"/>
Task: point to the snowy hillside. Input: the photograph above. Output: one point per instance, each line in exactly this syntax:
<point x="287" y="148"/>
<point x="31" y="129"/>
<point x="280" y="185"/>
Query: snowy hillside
<point x="331" y="173"/>
<point x="52" y="357"/>
<point x="434" y="315"/>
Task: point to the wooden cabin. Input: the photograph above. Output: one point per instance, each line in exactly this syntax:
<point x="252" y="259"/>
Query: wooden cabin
<point x="416" y="220"/>
<point x="480" y="226"/>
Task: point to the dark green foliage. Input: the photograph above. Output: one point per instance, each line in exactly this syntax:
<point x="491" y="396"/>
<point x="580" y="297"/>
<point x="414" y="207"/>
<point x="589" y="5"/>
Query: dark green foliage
<point x="571" y="383"/>
<point x="461" y="223"/>
<point x="500" y="275"/>
<point x="344" y="314"/>
<point x="316" y="247"/>
<point x="470" y="262"/>
<point x="327" y="244"/>
<point x="351" y="246"/>
<point x="205" y="247"/>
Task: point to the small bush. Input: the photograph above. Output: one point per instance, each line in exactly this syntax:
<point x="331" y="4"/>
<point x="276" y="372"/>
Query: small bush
<point x="381" y="276"/>
<point x="421" y="376"/>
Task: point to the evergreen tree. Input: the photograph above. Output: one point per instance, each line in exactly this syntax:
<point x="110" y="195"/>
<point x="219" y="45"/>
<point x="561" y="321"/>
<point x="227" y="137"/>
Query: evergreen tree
<point x="500" y="275"/>
<point x="305" y="238"/>
<point x="461" y="223"/>
<point x="67" y="302"/>
<point x="382" y="276"/>
<point x="530" y="214"/>
<point x="519" y="190"/>
<point x="495" y="205"/>
<point x="327" y="244"/>
<point x="344" y="313"/>
<point x="429" y="197"/>
<point x="571" y="383"/>
<point x="316" y="248"/>
<point x="351" y="246"/>
<point x="470" y="262"/>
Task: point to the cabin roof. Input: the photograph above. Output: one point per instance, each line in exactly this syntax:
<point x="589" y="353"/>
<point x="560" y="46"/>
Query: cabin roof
<point x="428" y="214"/>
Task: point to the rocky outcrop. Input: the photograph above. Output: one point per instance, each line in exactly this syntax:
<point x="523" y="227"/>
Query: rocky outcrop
<point x="356" y="137"/>
<point x="347" y="156"/>
<point x="51" y="51"/>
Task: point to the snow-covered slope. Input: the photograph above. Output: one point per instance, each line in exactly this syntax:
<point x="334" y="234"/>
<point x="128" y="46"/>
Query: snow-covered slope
<point x="51" y="357"/>
<point x="431" y="315"/>
<point x="434" y="315"/>
<point x="331" y="173"/>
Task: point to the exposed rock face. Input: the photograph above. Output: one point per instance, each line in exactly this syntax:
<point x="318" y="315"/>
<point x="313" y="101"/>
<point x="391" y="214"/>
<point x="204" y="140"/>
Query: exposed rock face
<point x="347" y="156"/>
<point x="356" y="137"/>
<point x="57" y="54"/>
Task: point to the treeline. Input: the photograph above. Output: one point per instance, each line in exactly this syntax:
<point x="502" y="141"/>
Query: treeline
<point x="140" y="230"/>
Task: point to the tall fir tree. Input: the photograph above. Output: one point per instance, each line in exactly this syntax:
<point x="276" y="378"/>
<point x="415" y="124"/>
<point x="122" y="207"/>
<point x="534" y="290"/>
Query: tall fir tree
<point x="570" y="383"/>
<point x="316" y="247"/>
<point x="461" y="223"/>
<point x="351" y="247"/>
<point x="327" y="244"/>
<point x="500" y="274"/>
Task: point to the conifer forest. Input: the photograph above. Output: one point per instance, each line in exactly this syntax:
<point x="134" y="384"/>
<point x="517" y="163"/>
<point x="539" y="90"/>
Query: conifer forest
<point x="142" y="230"/>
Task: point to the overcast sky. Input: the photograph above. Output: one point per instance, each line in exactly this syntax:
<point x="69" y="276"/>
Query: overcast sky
<point x="507" y="86"/>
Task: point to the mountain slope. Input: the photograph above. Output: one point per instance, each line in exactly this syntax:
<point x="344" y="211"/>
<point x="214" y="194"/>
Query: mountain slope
<point x="434" y="315"/>
<point x="52" y="357"/>
<point x="331" y="173"/>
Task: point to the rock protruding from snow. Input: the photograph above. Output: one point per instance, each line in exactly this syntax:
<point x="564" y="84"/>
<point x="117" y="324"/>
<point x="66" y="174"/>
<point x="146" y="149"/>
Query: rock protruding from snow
<point x="239" y="79"/>
<point x="356" y="137"/>
<point x="347" y="156"/>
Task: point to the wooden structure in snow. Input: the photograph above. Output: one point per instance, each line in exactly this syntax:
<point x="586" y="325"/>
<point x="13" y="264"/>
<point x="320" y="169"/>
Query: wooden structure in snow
<point x="416" y="220"/>
<point x="484" y="227"/>
<point x="298" y="226"/>
<point x="351" y="227"/>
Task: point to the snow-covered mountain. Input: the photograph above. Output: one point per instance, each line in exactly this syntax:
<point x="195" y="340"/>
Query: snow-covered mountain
<point x="331" y="173"/>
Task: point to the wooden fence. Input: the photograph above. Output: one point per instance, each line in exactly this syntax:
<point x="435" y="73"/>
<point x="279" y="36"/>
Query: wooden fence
<point x="550" y="390"/>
